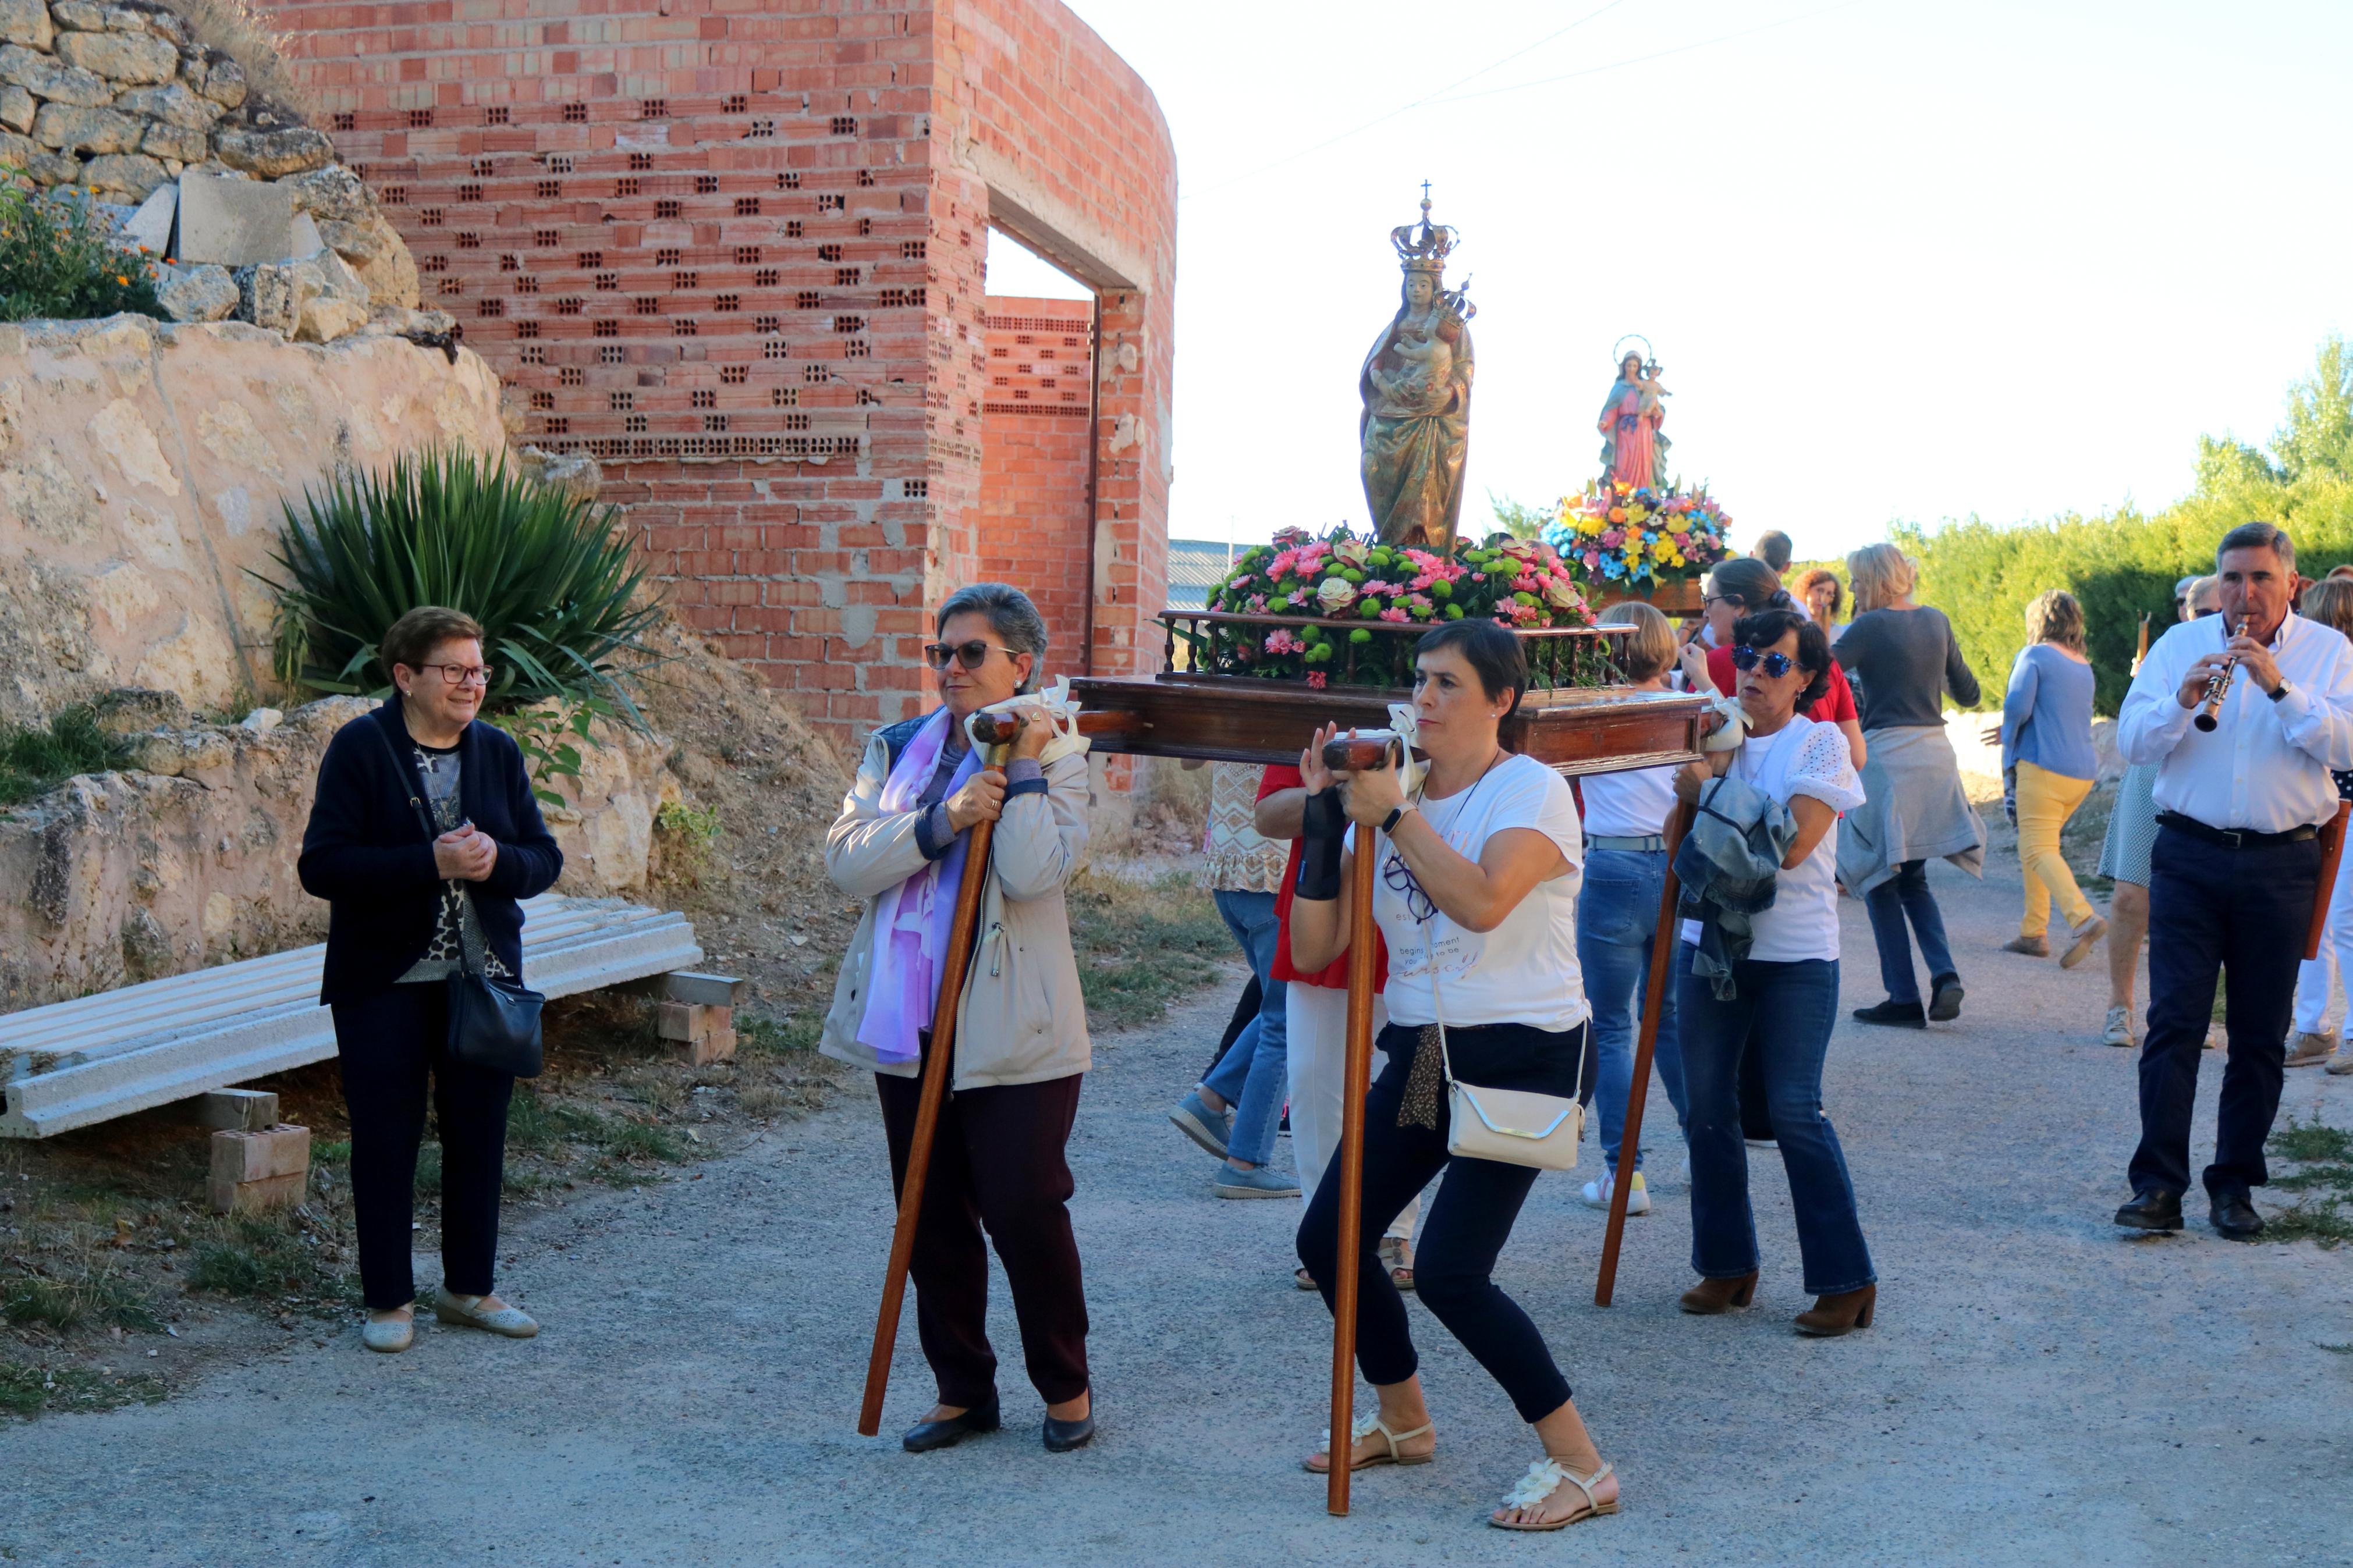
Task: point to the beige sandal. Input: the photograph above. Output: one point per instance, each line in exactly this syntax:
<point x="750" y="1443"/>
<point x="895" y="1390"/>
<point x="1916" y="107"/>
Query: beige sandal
<point x="1364" y="1426"/>
<point x="1544" y="1479"/>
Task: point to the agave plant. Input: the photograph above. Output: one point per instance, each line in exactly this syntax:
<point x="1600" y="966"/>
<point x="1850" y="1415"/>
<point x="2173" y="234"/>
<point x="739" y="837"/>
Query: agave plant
<point x="549" y="576"/>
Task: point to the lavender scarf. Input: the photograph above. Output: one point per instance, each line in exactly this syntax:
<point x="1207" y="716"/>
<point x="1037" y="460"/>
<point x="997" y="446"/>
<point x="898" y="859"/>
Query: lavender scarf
<point x="912" y="920"/>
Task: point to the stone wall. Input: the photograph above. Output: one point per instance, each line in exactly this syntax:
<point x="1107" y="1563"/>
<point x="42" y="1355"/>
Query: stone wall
<point x="735" y="254"/>
<point x="141" y="467"/>
<point x="187" y="857"/>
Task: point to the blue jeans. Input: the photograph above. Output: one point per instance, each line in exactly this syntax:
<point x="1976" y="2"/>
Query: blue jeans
<point x="1906" y="893"/>
<point x="1253" y="1076"/>
<point x="1617" y="921"/>
<point x="1795" y="1004"/>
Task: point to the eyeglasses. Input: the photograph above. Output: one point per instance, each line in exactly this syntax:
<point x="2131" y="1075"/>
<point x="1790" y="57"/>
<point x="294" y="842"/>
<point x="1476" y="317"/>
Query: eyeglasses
<point x="971" y="655"/>
<point x="1775" y="664"/>
<point x="464" y="674"/>
<point x="1400" y="879"/>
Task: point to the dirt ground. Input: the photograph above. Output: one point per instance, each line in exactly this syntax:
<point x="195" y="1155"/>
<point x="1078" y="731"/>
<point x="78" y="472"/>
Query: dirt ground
<point x="2039" y="1388"/>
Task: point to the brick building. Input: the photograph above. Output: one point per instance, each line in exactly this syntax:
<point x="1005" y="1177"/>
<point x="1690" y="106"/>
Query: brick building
<point x="734" y="251"/>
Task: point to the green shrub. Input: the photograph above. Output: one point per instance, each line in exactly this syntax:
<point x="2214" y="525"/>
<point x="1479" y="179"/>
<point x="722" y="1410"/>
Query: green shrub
<point x="550" y="577"/>
<point x="33" y="762"/>
<point x="60" y="262"/>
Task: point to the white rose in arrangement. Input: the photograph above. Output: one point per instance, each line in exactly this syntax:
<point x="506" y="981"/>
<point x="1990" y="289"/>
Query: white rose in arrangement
<point x="1335" y="595"/>
<point x="1354" y="552"/>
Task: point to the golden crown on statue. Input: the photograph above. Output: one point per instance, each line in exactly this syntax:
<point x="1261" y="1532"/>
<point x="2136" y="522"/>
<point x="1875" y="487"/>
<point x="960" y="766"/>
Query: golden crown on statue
<point x="1423" y="247"/>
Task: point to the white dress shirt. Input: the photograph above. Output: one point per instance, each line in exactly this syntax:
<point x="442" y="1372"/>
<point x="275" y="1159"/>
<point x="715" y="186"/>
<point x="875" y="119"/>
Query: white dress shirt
<point x="2265" y="766"/>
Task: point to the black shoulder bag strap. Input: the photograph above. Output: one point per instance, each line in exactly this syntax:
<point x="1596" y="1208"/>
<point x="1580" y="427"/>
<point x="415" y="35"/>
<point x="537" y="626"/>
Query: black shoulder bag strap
<point x="494" y="1024"/>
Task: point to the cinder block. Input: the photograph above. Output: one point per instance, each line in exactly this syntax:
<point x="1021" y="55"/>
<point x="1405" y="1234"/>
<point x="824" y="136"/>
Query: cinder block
<point x="717" y="1045"/>
<point x="692" y="1020"/>
<point x="259" y="1169"/>
<point x="236" y="1109"/>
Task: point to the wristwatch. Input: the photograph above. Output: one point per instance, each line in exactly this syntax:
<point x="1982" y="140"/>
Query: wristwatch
<point x="2279" y="691"/>
<point x="1396" y="815"/>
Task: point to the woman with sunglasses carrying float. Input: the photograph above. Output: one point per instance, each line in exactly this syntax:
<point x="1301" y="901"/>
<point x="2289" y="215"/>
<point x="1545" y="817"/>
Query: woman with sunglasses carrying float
<point x="1020" y="1036"/>
<point x="1476" y="899"/>
<point x="1793" y="777"/>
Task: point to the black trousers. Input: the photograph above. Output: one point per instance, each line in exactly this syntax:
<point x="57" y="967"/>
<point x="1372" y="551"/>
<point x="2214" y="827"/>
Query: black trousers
<point x="997" y="1161"/>
<point x="1462" y="1234"/>
<point x="387" y="1048"/>
<point x="2245" y="911"/>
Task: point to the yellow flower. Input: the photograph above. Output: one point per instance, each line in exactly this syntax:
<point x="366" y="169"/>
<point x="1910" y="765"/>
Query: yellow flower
<point x="1586" y="523"/>
<point x="1635" y="514"/>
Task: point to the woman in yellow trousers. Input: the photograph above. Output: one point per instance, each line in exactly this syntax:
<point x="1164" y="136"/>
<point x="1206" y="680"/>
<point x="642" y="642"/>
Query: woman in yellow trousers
<point x="2046" y="736"/>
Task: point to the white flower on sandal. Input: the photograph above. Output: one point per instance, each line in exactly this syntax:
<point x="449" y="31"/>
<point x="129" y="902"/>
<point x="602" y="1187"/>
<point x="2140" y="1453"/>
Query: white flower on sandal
<point x="1542" y="1477"/>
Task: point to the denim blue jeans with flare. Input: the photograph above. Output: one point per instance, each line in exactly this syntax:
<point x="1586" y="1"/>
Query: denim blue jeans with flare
<point x="1616" y="922"/>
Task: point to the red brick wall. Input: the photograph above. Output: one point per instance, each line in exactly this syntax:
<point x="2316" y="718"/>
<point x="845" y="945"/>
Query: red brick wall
<point x="735" y="252"/>
<point x="1033" y="459"/>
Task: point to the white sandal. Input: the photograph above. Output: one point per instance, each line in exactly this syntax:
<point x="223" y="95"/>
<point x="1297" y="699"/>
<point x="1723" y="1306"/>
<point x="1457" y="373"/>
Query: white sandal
<point x="1544" y="1479"/>
<point x="466" y="1312"/>
<point x="1364" y="1426"/>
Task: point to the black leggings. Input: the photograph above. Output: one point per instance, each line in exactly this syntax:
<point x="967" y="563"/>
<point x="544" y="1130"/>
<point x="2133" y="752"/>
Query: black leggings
<point x="386" y="1046"/>
<point x="1460" y="1234"/>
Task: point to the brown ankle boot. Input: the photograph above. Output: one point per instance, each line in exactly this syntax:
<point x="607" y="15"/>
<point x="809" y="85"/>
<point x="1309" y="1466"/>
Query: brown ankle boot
<point x="1710" y="1297"/>
<point x="1842" y="1313"/>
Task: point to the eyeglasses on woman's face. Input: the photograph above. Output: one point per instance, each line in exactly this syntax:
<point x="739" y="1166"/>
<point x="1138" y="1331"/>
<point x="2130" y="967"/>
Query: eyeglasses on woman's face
<point x="462" y="674"/>
<point x="1775" y="664"/>
<point x="971" y="655"/>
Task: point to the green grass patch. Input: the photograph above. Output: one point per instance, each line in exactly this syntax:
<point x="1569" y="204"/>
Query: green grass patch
<point x="97" y="1300"/>
<point x="254" y="1257"/>
<point x="538" y="1125"/>
<point x="795" y="1036"/>
<point x="29" y="1391"/>
<point x="36" y="761"/>
<point x="2310" y="1141"/>
<point x="1144" y="946"/>
<point x="2325" y="1157"/>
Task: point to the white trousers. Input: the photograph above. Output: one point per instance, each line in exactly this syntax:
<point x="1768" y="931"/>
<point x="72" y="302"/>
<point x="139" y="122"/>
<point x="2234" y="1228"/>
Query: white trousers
<point x="1315" y="1022"/>
<point x="2316" y="978"/>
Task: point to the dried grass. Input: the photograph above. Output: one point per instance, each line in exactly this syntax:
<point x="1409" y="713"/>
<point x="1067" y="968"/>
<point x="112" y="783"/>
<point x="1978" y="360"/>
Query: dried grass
<point x="242" y="33"/>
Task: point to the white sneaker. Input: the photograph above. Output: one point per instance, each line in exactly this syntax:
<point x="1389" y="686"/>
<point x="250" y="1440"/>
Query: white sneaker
<point x="2120" y="1030"/>
<point x="1597" y="1194"/>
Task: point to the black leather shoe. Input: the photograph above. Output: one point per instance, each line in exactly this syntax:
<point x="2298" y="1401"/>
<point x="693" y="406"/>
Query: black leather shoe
<point x="2235" y="1218"/>
<point x="2156" y="1209"/>
<point x="1945" y="998"/>
<point x="1903" y="1014"/>
<point x="926" y="1435"/>
<point x="1061" y="1436"/>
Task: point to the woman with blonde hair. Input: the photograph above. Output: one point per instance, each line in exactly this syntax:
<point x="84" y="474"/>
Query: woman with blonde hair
<point x="1904" y="658"/>
<point x="2328" y="602"/>
<point x="2046" y="736"/>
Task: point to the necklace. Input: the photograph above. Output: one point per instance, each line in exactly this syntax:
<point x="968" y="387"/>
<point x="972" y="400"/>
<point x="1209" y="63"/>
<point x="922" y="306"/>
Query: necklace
<point x="1398" y="877"/>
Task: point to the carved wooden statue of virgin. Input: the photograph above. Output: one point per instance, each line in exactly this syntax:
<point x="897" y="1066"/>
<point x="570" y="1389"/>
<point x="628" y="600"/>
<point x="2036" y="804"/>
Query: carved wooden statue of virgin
<point x="1416" y="386"/>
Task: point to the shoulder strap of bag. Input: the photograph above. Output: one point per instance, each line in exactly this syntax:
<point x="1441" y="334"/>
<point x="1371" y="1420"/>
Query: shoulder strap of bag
<point x="1438" y="1009"/>
<point x="406" y="775"/>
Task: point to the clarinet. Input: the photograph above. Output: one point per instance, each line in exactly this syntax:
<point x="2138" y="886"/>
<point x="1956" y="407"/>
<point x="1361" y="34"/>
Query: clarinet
<point x="2217" y="686"/>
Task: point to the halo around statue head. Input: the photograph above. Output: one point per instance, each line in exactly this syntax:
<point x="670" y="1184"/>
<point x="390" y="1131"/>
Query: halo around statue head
<point x="1649" y="357"/>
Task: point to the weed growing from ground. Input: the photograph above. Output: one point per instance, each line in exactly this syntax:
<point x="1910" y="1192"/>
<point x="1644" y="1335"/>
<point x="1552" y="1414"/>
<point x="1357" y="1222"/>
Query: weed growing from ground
<point x="26" y="1389"/>
<point x="1143" y="946"/>
<point x="2324" y="1158"/>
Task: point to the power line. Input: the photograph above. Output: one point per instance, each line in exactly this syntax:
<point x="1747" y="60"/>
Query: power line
<point x="1406" y="108"/>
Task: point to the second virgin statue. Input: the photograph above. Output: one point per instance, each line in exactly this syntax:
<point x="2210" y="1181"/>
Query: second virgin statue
<point x="1416" y="386"/>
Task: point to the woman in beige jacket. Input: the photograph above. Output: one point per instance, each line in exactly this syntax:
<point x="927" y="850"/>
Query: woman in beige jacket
<point x="1021" y="1033"/>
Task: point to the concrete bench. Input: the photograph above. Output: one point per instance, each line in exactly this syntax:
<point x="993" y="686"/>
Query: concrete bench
<point x="70" y="1064"/>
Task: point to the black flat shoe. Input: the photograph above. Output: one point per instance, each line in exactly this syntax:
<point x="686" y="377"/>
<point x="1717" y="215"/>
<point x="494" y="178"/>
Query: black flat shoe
<point x="1061" y="1436"/>
<point x="2156" y="1209"/>
<point x="1903" y="1014"/>
<point x="926" y="1435"/>
<point x="1945" y="998"/>
<point x="2235" y="1218"/>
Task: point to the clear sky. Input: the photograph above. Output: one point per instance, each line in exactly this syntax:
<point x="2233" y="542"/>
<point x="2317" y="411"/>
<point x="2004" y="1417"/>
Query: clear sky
<point x="1901" y="259"/>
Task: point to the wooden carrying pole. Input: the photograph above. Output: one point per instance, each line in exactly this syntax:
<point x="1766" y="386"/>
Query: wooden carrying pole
<point x="927" y="1122"/>
<point x="1654" y="998"/>
<point x="2332" y="851"/>
<point x="1342" y="1448"/>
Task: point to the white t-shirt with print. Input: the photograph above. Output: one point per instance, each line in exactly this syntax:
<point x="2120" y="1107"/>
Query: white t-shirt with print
<point x="1806" y="757"/>
<point x="1522" y="972"/>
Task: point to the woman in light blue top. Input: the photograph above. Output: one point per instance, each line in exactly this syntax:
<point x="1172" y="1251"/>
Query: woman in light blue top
<point x="2046" y="736"/>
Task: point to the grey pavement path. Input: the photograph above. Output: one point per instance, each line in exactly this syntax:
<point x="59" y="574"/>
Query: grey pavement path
<point x="2037" y="1390"/>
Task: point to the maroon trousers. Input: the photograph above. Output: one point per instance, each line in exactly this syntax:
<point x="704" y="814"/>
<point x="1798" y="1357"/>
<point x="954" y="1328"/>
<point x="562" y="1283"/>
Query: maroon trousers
<point x="997" y="1162"/>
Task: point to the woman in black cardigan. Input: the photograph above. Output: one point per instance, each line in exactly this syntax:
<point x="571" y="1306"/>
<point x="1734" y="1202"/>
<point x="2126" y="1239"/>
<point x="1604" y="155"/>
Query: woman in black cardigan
<point x="407" y="910"/>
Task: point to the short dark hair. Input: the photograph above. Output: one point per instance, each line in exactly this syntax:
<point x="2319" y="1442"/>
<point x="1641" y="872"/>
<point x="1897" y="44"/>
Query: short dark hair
<point x="2258" y="536"/>
<point x="1011" y="615"/>
<point x="1491" y="651"/>
<point x="1756" y="585"/>
<point x="1774" y="548"/>
<point x="411" y="639"/>
<point x="1760" y="629"/>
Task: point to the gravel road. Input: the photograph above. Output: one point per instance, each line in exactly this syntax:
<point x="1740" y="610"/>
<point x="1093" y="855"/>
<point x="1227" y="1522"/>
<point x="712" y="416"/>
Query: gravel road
<point x="2037" y="1390"/>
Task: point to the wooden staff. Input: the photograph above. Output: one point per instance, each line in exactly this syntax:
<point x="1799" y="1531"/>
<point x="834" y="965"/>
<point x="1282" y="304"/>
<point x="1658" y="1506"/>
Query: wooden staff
<point x="1654" y="997"/>
<point x="2332" y="849"/>
<point x="927" y="1109"/>
<point x="1341" y="1449"/>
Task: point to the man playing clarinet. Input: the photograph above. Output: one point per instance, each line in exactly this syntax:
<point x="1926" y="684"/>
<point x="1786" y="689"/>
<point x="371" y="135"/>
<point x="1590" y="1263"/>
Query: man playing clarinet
<point x="2243" y="714"/>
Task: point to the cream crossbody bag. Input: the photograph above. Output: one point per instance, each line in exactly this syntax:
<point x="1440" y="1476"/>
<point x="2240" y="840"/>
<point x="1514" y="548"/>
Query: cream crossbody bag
<point x="1510" y="1126"/>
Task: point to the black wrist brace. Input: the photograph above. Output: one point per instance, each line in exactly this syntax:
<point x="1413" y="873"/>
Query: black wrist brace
<point x="1324" y="827"/>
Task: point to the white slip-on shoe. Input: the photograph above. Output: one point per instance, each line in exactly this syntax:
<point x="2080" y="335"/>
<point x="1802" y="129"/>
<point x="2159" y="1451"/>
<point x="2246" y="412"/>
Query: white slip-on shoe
<point x="2119" y="1031"/>
<point x="1597" y="1194"/>
<point x="389" y="1336"/>
<point x="466" y="1312"/>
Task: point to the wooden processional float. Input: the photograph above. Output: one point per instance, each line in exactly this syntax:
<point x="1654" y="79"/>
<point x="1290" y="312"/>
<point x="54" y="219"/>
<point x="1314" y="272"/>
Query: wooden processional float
<point x="1577" y="720"/>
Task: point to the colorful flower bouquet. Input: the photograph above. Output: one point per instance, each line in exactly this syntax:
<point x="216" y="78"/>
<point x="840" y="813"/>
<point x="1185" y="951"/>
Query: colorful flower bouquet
<point x="1345" y="610"/>
<point x="1615" y="537"/>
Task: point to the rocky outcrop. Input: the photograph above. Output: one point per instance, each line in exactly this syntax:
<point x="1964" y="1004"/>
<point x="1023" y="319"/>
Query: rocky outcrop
<point x="143" y="468"/>
<point x="187" y="857"/>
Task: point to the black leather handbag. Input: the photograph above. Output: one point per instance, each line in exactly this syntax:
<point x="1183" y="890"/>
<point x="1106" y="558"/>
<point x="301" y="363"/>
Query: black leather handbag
<point x="493" y="1023"/>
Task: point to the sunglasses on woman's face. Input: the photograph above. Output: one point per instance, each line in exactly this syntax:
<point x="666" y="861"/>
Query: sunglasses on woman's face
<point x="971" y="655"/>
<point x="1775" y="664"/>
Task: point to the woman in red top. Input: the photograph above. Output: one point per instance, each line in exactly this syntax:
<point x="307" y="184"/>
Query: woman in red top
<point x="1735" y="588"/>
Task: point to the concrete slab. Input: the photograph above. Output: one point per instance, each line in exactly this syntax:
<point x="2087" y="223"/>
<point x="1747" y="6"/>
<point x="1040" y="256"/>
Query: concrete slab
<point x="234" y="223"/>
<point x="151" y="226"/>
